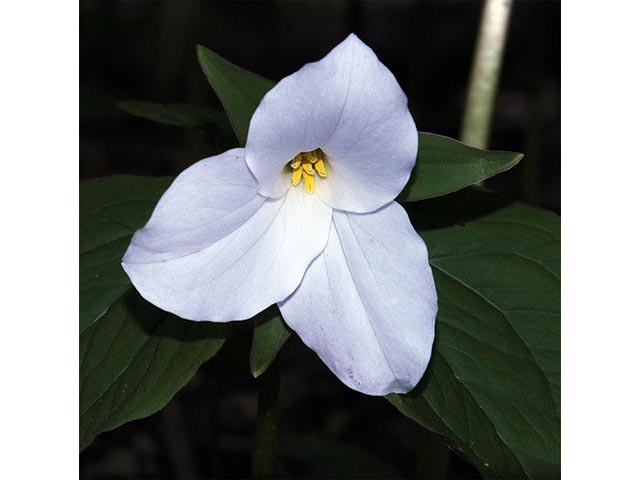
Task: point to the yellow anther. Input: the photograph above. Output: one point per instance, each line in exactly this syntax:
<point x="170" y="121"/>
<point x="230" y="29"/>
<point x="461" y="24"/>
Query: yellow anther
<point x="308" y="168"/>
<point x="314" y="156"/>
<point x="296" y="162"/>
<point x="305" y="165"/>
<point x="319" y="166"/>
<point x="296" y="175"/>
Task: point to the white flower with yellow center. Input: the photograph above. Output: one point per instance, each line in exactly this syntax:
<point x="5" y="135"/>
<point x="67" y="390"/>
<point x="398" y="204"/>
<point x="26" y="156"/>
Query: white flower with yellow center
<point x="304" y="217"/>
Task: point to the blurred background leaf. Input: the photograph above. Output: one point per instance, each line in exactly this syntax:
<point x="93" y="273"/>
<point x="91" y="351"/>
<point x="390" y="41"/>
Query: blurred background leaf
<point x="178" y="114"/>
<point x="210" y="120"/>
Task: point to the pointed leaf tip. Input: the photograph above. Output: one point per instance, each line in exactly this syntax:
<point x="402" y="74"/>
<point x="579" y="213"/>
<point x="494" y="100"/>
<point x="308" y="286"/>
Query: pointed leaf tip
<point x="239" y="90"/>
<point x="445" y="165"/>
<point x="270" y="333"/>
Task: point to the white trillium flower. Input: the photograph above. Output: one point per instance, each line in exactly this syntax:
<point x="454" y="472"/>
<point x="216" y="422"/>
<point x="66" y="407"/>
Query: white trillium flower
<point x="304" y="217"/>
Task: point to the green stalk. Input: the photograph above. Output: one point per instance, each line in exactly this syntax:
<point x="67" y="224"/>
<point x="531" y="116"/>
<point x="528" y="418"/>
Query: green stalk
<point x="485" y="72"/>
<point x="266" y="424"/>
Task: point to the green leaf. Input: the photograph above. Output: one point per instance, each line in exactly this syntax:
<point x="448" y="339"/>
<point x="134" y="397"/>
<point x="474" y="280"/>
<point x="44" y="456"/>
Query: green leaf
<point x="269" y="335"/>
<point x="178" y="114"/>
<point x="329" y="459"/>
<point x="239" y="90"/>
<point x="445" y="165"/>
<point x="111" y="209"/>
<point x="133" y="356"/>
<point x="134" y="360"/>
<point x="492" y="388"/>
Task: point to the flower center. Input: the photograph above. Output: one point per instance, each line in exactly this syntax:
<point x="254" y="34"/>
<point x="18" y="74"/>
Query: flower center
<point x="305" y="165"/>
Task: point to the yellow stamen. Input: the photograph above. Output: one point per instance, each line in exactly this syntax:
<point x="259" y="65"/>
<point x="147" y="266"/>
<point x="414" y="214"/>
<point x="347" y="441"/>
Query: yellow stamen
<point x="296" y="175"/>
<point x="308" y="168"/>
<point x="305" y="165"/>
<point x="314" y="156"/>
<point x="296" y="162"/>
<point x="309" y="182"/>
<point x="319" y="166"/>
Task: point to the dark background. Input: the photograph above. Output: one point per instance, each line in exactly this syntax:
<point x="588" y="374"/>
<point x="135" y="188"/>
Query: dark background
<point x="146" y="51"/>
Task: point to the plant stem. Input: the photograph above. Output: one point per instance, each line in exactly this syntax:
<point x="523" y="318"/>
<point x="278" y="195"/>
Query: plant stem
<point x="485" y="72"/>
<point x="266" y="424"/>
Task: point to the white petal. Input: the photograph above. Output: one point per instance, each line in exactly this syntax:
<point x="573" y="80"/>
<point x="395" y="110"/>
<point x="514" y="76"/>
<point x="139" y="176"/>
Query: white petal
<point x="237" y="276"/>
<point x="350" y="105"/>
<point x="205" y="202"/>
<point x="367" y="305"/>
